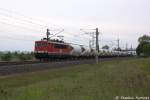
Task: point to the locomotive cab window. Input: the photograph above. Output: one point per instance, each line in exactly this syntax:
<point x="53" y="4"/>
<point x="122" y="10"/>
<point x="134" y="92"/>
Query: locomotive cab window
<point x="38" y="44"/>
<point x="60" y="46"/>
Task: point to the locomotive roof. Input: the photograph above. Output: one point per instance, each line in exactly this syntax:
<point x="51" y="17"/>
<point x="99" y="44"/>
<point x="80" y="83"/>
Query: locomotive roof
<point x="55" y="42"/>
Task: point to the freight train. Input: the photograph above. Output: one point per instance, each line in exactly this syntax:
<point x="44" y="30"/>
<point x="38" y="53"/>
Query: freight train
<point x="56" y="49"/>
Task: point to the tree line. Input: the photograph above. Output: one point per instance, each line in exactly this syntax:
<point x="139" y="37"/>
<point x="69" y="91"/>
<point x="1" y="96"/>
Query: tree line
<point x="16" y="56"/>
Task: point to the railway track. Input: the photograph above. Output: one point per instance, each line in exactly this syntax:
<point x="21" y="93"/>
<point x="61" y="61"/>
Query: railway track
<point x="23" y="67"/>
<point x="7" y="63"/>
<point x="30" y="67"/>
<point x="10" y="63"/>
<point x="30" y="62"/>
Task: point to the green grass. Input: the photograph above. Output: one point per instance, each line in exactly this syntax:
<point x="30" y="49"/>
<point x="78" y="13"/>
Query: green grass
<point x="101" y="81"/>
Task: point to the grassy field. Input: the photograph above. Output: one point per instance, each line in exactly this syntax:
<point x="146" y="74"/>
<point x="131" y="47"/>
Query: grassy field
<point x="103" y="81"/>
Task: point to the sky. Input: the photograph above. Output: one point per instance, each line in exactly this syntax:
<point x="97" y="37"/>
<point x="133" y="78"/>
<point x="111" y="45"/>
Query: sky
<point x="24" y="21"/>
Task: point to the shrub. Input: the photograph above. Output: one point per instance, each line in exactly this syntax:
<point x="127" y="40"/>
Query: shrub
<point x="6" y="57"/>
<point x="24" y="56"/>
<point x="146" y="50"/>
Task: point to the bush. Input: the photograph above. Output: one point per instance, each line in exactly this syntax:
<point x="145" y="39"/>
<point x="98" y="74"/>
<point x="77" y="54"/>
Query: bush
<point x="16" y="56"/>
<point x="141" y="47"/>
<point x="146" y="50"/>
<point x="6" y="57"/>
<point x="24" y="56"/>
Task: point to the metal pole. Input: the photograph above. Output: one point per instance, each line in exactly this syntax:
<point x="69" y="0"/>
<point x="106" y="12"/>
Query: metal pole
<point x="97" y="45"/>
<point x="118" y="44"/>
<point x="126" y="46"/>
<point x="47" y="34"/>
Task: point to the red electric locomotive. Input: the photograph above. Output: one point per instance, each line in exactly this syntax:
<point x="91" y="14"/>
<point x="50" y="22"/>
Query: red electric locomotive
<point x="52" y="49"/>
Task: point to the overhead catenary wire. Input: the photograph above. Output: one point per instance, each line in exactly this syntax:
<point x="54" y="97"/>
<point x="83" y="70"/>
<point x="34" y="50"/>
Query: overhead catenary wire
<point x="30" y="19"/>
<point x="22" y="39"/>
<point x="70" y="35"/>
<point x="10" y="20"/>
<point x="19" y="26"/>
<point x="6" y="37"/>
<point x="18" y="35"/>
<point x="23" y="20"/>
<point x="10" y="11"/>
<point x="57" y="33"/>
<point x="12" y="38"/>
<point x="76" y="35"/>
<point x="27" y="20"/>
<point x="23" y="27"/>
<point x="17" y="39"/>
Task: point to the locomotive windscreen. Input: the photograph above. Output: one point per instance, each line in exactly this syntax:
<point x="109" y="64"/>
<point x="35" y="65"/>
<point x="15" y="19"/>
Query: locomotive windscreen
<point x="39" y="44"/>
<point x="60" y="46"/>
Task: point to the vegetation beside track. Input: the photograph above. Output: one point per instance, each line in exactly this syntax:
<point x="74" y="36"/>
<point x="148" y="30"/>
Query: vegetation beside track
<point x="103" y="81"/>
<point x="16" y="56"/>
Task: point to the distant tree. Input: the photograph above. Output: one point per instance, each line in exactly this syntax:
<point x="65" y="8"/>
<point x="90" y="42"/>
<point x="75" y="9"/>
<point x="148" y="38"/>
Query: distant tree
<point x="22" y="56"/>
<point x="146" y="50"/>
<point x="16" y="53"/>
<point x="105" y="47"/>
<point x="144" y="38"/>
<point x="16" y="56"/>
<point x="143" y="47"/>
<point x="6" y="57"/>
<point x="26" y="56"/>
